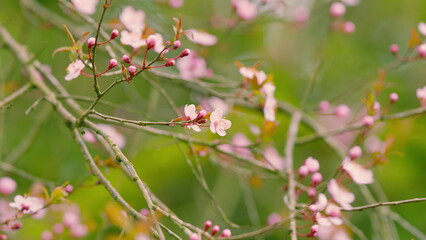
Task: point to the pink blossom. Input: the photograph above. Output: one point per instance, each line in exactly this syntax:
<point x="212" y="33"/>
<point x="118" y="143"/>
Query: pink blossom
<point x="367" y="120"/>
<point x="337" y="9"/>
<point x="218" y="123"/>
<point x="327" y="221"/>
<point x="323" y="106"/>
<point x="342" y="111"/>
<point x="46" y="235"/>
<point x="85" y="6"/>
<point x="376" y="107"/>
<point x="274" y="218"/>
<point x="176" y="3"/>
<point x="394" y="49"/>
<point x="133" y="20"/>
<point x="143" y="236"/>
<point x="246" y="9"/>
<point x="301" y="14"/>
<point x="193" y="67"/>
<point x="133" y="39"/>
<point x="316" y="178"/>
<point x="241" y="142"/>
<point x="312" y="192"/>
<point x="250" y="73"/>
<point x="194" y="236"/>
<point x="192" y="114"/>
<point x="421" y="50"/>
<point x="332" y="232"/>
<point x="89" y="137"/>
<point x="71" y="217"/>
<point x="116" y="136"/>
<point x="7" y="185"/>
<point x="79" y="230"/>
<point x="215" y="229"/>
<point x="303" y="171"/>
<point x="422" y="28"/>
<point x="421" y="95"/>
<point x="320" y="204"/>
<point x="201" y="37"/>
<point x="333" y="210"/>
<point x="269" y="108"/>
<point x="393" y="97"/>
<point x="27" y="204"/>
<point x="312" y="164"/>
<point x="58" y="228"/>
<point x="273" y="158"/>
<point x="339" y="194"/>
<point x="210" y="104"/>
<point x="74" y="69"/>
<point x="348" y="27"/>
<point x="358" y="174"/>
<point x="159" y="42"/>
<point x="226" y="233"/>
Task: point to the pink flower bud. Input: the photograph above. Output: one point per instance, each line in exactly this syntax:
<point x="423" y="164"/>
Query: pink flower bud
<point x="355" y="152"/>
<point x="194" y="236"/>
<point x="144" y="212"/>
<point x="312" y="192"/>
<point x="126" y="59"/>
<point x="201" y="114"/>
<point x="114" y="34"/>
<point x="342" y="111"/>
<point x="367" y="121"/>
<point x="46" y="235"/>
<point x="7" y="185"/>
<point x="112" y="63"/>
<point x="58" y="228"/>
<point x="69" y="188"/>
<point x="177" y="44"/>
<point x="207" y="225"/>
<point x="337" y="10"/>
<point x="421" y="50"/>
<point x="303" y="171"/>
<point x="312" y="164"/>
<point x="393" y="97"/>
<point x="215" y="230"/>
<point x="185" y="52"/>
<point x="394" y="49"/>
<point x="323" y="106"/>
<point x="376" y="106"/>
<point x="274" y="218"/>
<point x="91" y="42"/>
<point x="170" y="63"/>
<point x="316" y="179"/>
<point x="226" y="233"/>
<point x="132" y="70"/>
<point x="3" y="237"/>
<point x="151" y="41"/>
<point x="16" y="226"/>
<point x="348" y="27"/>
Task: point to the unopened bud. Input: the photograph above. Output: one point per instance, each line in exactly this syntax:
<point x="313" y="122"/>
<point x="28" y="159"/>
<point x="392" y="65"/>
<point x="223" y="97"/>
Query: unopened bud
<point x="112" y="63"/>
<point x="355" y="152"/>
<point x="312" y="192"/>
<point x="367" y="121"/>
<point x="303" y="171"/>
<point x="185" y="52"/>
<point x="394" y="49"/>
<point x="150" y="42"/>
<point x="207" y="225"/>
<point x="194" y="236"/>
<point x="348" y="27"/>
<point x="170" y="63"/>
<point x="114" y="34"/>
<point x="421" y="50"/>
<point x="226" y="233"/>
<point x="393" y="97"/>
<point x="69" y="188"/>
<point x="201" y="114"/>
<point x="132" y="70"/>
<point x="91" y="42"/>
<point x="215" y="230"/>
<point x="337" y="10"/>
<point x="316" y="178"/>
<point x="125" y="59"/>
<point x="177" y="44"/>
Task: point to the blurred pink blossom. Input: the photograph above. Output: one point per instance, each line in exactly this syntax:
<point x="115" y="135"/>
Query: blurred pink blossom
<point x="312" y="164"/>
<point x="192" y="67"/>
<point x="422" y="28"/>
<point x="133" y="39"/>
<point x="85" y="6"/>
<point x="116" y="136"/>
<point x="176" y="3"/>
<point x="211" y="103"/>
<point x="27" y="204"/>
<point x="191" y="113"/>
<point x="421" y="95"/>
<point x="7" y="185"/>
<point x="274" y="218"/>
<point x="332" y="232"/>
<point x="358" y="174"/>
<point x="273" y="158"/>
<point x="74" y="69"/>
<point x="339" y="194"/>
<point x="46" y="235"/>
<point x="250" y="73"/>
<point x="320" y="204"/>
<point x="79" y="230"/>
<point x="246" y="9"/>
<point x="201" y="37"/>
<point x="133" y="20"/>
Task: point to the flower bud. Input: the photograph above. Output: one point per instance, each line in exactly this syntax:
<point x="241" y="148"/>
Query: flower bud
<point x="367" y="121"/>
<point x="91" y="42"/>
<point x="150" y="42"/>
<point x="194" y="236"/>
<point x="114" y="34"/>
<point x="355" y="152"/>
<point x="170" y="63"/>
<point x="177" y="44"/>
<point x="226" y="233"/>
<point x="337" y="10"/>
<point x="185" y="52"/>
<point x="312" y="164"/>
<point x="215" y="230"/>
<point x="316" y="179"/>
<point x="126" y="59"/>
<point x="323" y="106"/>
<point x="421" y="50"/>
<point x="393" y="97"/>
<point x="69" y="188"/>
<point x="207" y="225"/>
<point x="394" y="49"/>
<point x="112" y="63"/>
<point x="303" y="171"/>
<point x="7" y="185"/>
<point x="312" y="192"/>
<point x="376" y="106"/>
<point x="132" y="70"/>
<point x="342" y="111"/>
<point x="348" y="27"/>
<point x="201" y="114"/>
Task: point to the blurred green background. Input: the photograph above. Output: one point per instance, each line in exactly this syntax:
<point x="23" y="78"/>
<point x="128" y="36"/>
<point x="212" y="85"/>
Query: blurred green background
<point x="287" y="51"/>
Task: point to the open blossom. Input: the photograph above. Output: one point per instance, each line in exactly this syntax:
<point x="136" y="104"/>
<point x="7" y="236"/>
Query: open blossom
<point x="339" y="194"/>
<point x="159" y="42"/>
<point x="27" y="204"/>
<point x="218" y="123"/>
<point x="421" y="95"/>
<point x="332" y="232"/>
<point x="270" y="102"/>
<point x="133" y="39"/>
<point x="133" y="20"/>
<point x="192" y="66"/>
<point x="191" y="113"/>
<point x="250" y="73"/>
<point x="74" y="69"/>
<point x="320" y="204"/>
<point x="202" y="38"/>
<point x="246" y="9"/>
<point x="85" y="6"/>
<point x="358" y="174"/>
<point x="273" y="158"/>
<point x="211" y="103"/>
